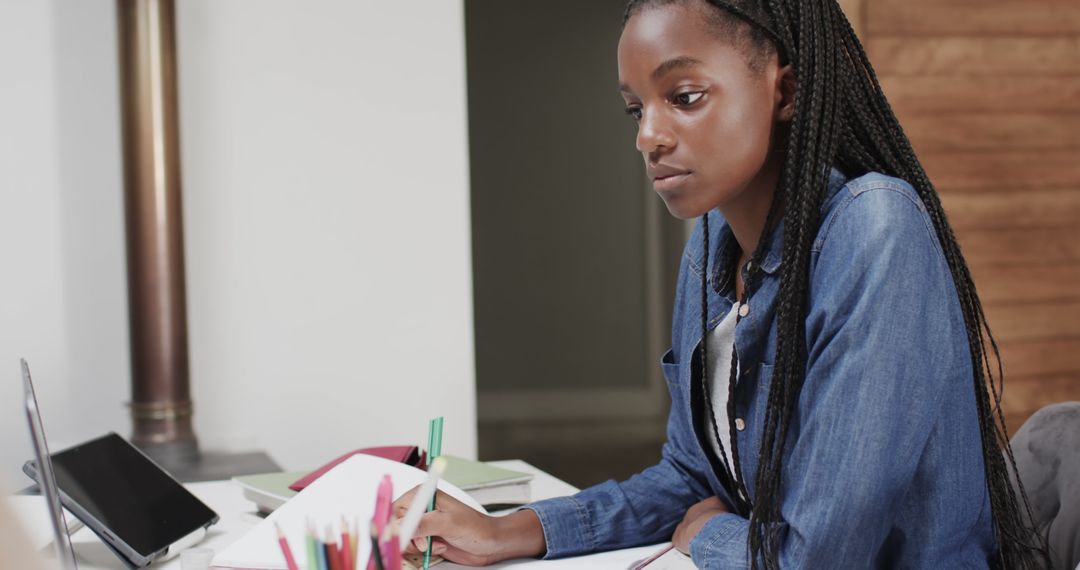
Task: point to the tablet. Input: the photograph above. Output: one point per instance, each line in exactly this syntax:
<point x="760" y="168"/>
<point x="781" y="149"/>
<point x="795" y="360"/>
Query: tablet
<point x="137" y="508"/>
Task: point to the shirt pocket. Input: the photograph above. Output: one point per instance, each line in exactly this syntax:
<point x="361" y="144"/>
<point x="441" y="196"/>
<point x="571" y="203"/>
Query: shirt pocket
<point x="671" y="372"/>
<point x="764" y="378"/>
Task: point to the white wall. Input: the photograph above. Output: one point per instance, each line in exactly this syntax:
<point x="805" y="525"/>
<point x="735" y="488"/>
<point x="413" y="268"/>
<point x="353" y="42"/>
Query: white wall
<point x="32" y="314"/>
<point x="326" y="219"/>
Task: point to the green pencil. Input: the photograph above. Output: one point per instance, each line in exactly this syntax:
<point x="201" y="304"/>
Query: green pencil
<point x="312" y="558"/>
<point x="435" y="429"/>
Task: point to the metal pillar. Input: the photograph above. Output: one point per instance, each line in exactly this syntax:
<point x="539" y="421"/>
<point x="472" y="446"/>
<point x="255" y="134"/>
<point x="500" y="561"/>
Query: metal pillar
<point x="161" y="400"/>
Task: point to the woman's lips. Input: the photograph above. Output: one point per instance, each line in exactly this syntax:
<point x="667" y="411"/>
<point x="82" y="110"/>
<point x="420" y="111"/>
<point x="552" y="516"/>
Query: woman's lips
<point x="669" y="183"/>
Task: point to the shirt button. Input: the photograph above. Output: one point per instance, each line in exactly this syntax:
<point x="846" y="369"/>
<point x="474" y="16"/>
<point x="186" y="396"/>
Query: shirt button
<point x="744" y="310"/>
<point x="740" y="424"/>
<point x="749" y="264"/>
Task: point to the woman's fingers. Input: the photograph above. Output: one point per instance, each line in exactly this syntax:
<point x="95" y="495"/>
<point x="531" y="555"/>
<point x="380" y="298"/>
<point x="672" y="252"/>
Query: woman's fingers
<point x="454" y="554"/>
<point x="435" y="523"/>
<point x="444" y="500"/>
<point x="432" y="524"/>
<point x="708" y="504"/>
<point x="458" y="533"/>
<point x="712" y="503"/>
<point x="678" y="539"/>
<point x="693" y="511"/>
<point x="401" y="505"/>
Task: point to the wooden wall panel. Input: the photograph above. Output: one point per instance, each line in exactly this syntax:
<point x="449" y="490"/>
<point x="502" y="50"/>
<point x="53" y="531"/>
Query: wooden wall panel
<point x="1041" y="283"/>
<point x="1020" y="321"/>
<point x="1031" y="393"/>
<point x="1019" y="247"/>
<point x="914" y="18"/>
<point x="960" y="56"/>
<point x="994" y="93"/>
<point x="1013" y="209"/>
<point x="985" y="170"/>
<point x="993" y="131"/>
<point x="1056" y="357"/>
<point x="988" y="91"/>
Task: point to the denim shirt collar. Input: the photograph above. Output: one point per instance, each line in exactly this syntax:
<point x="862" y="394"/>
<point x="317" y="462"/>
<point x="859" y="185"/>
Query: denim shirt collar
<point x="722" y="265"/>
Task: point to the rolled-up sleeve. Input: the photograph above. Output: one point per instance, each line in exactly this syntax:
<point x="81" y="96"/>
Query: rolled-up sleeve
<point x="644" y="509"/>
<point x="648" y="506"/>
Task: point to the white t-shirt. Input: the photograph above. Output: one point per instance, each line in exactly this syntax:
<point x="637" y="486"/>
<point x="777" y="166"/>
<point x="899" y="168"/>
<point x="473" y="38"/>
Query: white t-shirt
<point x="720" y="341"/>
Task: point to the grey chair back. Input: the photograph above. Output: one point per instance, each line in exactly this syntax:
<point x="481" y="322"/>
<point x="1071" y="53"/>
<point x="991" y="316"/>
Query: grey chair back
<point x="1047" y="452"/>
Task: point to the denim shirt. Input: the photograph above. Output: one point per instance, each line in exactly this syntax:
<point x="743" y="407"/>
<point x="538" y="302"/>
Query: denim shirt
<point x="883" y="465"/>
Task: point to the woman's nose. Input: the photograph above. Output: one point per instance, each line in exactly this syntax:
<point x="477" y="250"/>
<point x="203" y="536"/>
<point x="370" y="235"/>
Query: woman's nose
<point x="654" y="134"/>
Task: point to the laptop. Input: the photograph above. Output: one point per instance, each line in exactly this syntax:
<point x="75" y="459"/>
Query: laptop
<point x="65" y="553"/>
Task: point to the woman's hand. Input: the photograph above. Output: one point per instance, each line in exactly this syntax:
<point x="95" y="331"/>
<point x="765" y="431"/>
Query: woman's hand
<point x="695" y="518"/>
<point x="463" y="535"/>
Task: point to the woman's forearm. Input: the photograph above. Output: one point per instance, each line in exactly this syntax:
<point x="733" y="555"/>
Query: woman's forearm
<point x="520" y="535"/>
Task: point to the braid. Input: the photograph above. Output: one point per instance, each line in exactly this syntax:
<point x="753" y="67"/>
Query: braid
<point x="727" y="475"/>
<point x="834" y="73"/>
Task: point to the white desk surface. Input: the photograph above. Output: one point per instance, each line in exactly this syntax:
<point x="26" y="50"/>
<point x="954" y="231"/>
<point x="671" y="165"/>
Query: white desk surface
<point x="237" y="517"/>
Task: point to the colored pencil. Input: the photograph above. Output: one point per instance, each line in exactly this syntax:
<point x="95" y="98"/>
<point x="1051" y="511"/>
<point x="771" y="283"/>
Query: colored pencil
<point x="354" y="541"/>
<point x="435" y="430"/>
<point x="376" y="553"/>
<point x="333" y="555"/>
<point x="284" y="544"/>
<point x="424" y="496"/>
<point x="383" y="502"/>
<point x="391" y="550"/>
<point x="346" y="548"/>
<point x="312" y="557"/>
<point x="320" y="551"/>
<point x="643" y="563"/>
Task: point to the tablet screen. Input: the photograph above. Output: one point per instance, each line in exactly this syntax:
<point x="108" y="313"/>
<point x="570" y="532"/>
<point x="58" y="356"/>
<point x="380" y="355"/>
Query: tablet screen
<point x="134" y="498"/>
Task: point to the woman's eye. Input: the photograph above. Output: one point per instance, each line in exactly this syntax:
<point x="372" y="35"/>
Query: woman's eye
<point x="634" y="112"/>
<point x="688" y="98"/>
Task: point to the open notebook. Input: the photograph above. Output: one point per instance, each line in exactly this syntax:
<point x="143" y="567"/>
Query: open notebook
<point x="348" y="489"/>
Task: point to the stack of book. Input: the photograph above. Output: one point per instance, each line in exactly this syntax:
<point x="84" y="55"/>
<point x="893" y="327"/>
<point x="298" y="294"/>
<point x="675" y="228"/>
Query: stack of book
<point x="493" y="487"/>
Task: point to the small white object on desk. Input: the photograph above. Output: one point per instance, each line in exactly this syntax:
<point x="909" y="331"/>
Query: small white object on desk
<point x="196" y="559"/>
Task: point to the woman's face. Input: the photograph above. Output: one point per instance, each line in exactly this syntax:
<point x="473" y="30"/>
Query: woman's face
<point x="705" y="118"/>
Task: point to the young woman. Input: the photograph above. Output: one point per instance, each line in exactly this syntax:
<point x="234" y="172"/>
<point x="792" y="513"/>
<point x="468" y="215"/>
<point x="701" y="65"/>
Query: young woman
<point x="828" y="377"/>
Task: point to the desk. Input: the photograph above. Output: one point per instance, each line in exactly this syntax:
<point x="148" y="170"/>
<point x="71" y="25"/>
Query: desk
<point x="237" y="517"/>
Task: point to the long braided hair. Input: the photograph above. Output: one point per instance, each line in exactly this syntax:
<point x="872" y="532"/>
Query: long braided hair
<point x="842" y="118"/>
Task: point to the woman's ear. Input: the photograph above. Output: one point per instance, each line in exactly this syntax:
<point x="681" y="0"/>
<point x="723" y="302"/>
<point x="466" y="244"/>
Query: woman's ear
<point x="786" y="86"/>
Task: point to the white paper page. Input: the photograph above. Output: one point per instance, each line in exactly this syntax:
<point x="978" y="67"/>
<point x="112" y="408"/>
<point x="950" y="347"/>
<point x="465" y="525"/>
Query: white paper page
<point x="615" y="560"/>
<point x="672" y="560"/>
<point x="348" y="489"/>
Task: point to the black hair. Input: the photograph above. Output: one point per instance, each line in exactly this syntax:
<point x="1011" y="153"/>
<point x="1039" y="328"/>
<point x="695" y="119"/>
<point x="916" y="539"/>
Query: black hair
<point x="842" y="119"/>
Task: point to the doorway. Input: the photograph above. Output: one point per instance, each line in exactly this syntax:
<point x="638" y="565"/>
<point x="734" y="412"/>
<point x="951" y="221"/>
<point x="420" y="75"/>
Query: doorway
<point x="574" y="256"/>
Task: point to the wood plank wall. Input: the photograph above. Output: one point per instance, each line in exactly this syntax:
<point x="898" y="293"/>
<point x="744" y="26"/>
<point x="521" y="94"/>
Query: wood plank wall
<point x="989" y="93"/>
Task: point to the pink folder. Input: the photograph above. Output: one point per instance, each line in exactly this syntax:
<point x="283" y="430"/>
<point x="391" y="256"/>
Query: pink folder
<point x="407" y="454"/>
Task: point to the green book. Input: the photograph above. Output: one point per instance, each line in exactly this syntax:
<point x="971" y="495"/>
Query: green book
<point x="269" y="490"/>
<point x="488" y="484"/>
